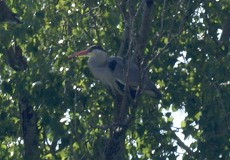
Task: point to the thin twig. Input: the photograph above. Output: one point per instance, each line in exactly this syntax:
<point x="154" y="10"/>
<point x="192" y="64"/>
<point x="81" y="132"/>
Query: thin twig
<point x="171" y="38"/>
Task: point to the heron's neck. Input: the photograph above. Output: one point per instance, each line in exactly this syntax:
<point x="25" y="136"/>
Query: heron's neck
<point x="98" y="60"/>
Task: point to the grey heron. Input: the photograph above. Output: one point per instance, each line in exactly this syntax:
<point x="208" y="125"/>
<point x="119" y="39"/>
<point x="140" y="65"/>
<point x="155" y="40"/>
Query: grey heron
<point x="116" y="73"/>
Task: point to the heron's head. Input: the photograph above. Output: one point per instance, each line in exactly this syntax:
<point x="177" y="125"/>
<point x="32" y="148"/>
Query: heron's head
<point x="92" y="51"/>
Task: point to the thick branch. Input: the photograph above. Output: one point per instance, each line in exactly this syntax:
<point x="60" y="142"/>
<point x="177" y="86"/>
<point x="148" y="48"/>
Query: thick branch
<point x="15" y="59"/>
<point x="6" y="15"/>
<point x="125" y="41"/>
<point x="126" y="34"/>
<point x="225" y="36"/>
<point x="145" y="27"/>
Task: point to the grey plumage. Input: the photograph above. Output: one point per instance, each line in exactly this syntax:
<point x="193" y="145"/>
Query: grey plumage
<point x="117" y="73"/>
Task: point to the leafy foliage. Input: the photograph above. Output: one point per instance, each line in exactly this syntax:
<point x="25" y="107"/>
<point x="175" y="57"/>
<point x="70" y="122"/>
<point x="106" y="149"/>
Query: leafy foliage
<point x="75" y="112"/>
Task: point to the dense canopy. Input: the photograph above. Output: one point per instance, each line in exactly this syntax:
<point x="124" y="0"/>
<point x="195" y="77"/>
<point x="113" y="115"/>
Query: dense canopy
<point x="53" y="108"/>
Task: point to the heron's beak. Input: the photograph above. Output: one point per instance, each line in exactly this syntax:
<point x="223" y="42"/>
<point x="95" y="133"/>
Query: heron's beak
<point x="80" y="53"/>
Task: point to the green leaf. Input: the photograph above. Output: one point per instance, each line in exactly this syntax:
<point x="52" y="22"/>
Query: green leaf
<point x="183" y="124"/>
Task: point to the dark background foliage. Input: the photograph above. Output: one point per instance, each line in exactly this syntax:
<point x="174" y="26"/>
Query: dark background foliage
<point x="53" y="108"/>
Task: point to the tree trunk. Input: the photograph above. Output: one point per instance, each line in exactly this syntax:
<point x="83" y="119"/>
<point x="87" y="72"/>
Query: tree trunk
<point x="115" y="147"/>
<point x="30" y="130"/>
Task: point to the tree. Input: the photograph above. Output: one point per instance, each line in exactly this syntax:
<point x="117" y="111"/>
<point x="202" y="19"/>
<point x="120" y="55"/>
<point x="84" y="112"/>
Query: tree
<point x="53" y="108"/>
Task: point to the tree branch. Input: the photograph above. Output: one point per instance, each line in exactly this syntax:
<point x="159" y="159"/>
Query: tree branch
<point x="6" y="15"/>
<point x="125" y="38"/>
<point x="144" y="28"/>
<point x="149" y="59"/>
<point x="225" y="36"/>
<point x="182" y="145"/>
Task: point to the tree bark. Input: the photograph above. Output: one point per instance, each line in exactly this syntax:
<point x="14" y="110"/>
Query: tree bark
<point x="144" y="28"/>
<point x="115" y="146"/>
<point x="30" y="130"/>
